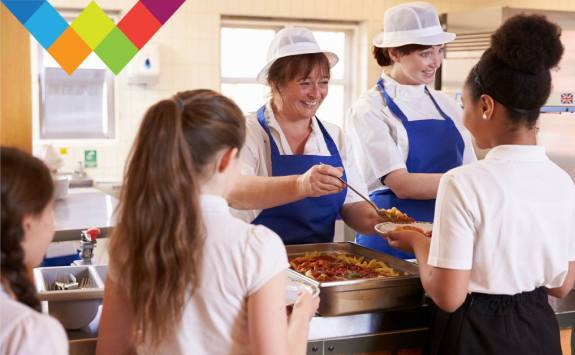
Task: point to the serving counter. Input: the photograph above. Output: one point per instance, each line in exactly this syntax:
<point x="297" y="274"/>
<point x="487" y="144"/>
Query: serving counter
<point x="383" y="332"/>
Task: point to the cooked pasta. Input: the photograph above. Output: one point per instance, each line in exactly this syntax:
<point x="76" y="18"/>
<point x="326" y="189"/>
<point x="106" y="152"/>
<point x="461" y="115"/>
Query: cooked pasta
<point x="336" y="266"/>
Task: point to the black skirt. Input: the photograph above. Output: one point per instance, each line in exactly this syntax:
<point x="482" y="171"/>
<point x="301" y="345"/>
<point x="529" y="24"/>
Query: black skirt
<point x="497" y="324"/>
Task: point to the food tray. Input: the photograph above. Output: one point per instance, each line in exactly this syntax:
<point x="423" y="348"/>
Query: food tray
<point x="364" y="295"/>
<point x="296" y="282"/>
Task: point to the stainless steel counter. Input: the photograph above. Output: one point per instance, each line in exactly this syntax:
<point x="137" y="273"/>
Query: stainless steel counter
<point x="357" y="333"/>
<point x="81" y="209"/>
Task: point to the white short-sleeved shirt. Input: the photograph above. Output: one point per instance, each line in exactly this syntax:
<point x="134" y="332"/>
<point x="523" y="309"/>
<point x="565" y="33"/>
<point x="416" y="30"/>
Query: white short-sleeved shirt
<point x="256" y="155"/>
<point x="379" y="138"/>
<point x="509" y="218"/>
<point x="238" y="259"/>
<point x="24" y="331"/>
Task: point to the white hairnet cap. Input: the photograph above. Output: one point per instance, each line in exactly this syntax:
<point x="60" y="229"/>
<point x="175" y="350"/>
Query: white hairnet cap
<point x="411" y="23"/>
<point x="292" y="41"/>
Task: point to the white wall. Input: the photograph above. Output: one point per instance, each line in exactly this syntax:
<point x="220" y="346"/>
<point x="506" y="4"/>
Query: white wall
<point x="189" y="55"/>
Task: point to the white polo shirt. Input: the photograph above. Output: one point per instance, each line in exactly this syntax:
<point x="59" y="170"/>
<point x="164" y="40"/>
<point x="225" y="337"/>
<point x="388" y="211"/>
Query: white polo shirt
<point x="379" y="138"/>
<point x="25" y="331"/>
<point x="237" y="260"/>
<point x="256" y="155"/>
<point x="509" y="218"/>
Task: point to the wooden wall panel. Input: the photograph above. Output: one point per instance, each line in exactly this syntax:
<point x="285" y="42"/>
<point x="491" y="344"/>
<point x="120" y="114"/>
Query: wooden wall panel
<point x="15" y="83"/>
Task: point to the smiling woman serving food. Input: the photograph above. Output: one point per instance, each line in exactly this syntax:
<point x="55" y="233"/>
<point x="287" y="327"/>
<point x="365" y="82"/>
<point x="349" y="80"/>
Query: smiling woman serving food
<point x="406" y="135"/>
<point x="296" y="167"/>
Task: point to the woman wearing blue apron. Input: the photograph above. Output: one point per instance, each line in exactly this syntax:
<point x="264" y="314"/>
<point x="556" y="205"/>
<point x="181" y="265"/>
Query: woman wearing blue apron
<point x="406" y="136"/>
<point x="294" y="166"/>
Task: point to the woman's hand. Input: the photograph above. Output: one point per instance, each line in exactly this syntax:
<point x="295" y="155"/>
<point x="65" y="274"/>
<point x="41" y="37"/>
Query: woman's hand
<point x="405" y="239"/>
<point x="320" y="180"/>
<point x="306" y="305"/>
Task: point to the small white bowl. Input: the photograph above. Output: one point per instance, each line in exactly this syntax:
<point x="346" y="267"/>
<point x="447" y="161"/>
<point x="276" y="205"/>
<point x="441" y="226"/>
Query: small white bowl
<point x="387" y="227"/>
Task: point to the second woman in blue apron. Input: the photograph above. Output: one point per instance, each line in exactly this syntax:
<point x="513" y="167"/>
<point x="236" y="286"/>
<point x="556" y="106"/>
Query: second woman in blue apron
<point x="292" y="161"/>
<point x="405" y="135"/>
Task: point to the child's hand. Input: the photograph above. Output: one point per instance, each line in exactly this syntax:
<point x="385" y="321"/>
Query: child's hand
<point x="403" y="239"/>
<point x="306" y="304"/>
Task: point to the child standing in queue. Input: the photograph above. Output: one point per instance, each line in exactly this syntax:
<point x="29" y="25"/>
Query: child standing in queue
<point x="504" y="231"/>
<point x="27" y="229"/>
<point x="185" y="275"/>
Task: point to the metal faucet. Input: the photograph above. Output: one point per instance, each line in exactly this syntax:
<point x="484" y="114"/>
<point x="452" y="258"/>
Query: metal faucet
<point x="87" y="244"/>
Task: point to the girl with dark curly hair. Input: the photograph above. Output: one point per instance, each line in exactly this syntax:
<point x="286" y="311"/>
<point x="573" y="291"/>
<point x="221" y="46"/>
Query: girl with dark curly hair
<point x="27" y="229"/>
<point x="503" y="237"/>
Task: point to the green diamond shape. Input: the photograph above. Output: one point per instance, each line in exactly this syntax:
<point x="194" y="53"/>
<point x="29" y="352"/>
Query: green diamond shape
<point x="116" y="50"/>
<point x="93" y="25"/>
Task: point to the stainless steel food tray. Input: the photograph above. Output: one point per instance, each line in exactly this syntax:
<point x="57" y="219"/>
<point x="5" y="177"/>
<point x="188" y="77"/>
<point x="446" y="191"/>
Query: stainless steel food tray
<point x="364" y="295"/>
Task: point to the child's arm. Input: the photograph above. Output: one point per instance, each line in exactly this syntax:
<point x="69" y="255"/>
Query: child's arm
<point x="564" y="289"/>
<point x="448" y="288"/>
<point x="115" y="333"/>
<point x="267" y="319"/>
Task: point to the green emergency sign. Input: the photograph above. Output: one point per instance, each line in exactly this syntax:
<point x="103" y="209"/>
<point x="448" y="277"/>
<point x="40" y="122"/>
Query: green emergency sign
<point x="90" y="159"/>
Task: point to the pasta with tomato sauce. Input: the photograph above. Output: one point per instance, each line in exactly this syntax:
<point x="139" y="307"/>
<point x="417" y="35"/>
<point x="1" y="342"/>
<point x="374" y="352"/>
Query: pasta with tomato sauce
<point x="335" y="266"/>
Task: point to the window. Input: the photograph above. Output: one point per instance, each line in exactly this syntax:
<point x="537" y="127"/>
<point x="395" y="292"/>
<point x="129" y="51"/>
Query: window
<point x="244" y="46"/>
<point x="74" y="106"/>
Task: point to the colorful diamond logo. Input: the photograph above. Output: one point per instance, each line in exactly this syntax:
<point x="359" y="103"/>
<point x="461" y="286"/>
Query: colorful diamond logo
<point x="93" y="25"/>
<point x="93" y="30"/>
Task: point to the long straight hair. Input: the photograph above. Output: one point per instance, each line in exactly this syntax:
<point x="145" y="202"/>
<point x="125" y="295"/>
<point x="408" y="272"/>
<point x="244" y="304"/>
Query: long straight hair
<point x="155" y="248"/>
<point x="27" y="189"/>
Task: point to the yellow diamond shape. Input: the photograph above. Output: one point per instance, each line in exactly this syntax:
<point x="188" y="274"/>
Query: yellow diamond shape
<point x="93" y="25"/>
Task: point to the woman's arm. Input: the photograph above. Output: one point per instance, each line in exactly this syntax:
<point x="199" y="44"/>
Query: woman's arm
<point x="416" y="186"/>
<point x="564" y="289"/>
<point x="361" y="217"/>
<point x="448" y="288"/>
<point x="261" y="192"/>
<point x="115" y="333"/>
<point x="269" y="330"/>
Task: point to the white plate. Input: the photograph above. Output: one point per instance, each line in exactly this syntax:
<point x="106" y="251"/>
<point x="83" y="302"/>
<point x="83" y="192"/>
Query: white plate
<point x="293" y="288"/>
<point x="387" y="227"/>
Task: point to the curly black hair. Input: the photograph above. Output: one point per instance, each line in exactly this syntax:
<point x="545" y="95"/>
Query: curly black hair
<point x="27" y="189"/>
<point x="515" y="69"/>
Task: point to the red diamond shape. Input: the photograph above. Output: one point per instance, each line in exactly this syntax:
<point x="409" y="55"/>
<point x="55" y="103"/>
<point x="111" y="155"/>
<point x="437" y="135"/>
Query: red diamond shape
<point x="139" y="25"/>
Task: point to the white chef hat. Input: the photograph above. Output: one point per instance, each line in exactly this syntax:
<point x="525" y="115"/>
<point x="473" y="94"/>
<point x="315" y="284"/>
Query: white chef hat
<point x="411" y="23"/>
<point x="292" y="41"/>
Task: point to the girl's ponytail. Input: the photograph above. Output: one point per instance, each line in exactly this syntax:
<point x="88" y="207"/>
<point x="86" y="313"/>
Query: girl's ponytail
<point x="156" y="244"/>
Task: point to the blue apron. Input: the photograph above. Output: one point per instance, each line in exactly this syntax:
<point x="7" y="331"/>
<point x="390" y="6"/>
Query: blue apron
<point x="435" y="146"/>
<point x="312" y="219"/>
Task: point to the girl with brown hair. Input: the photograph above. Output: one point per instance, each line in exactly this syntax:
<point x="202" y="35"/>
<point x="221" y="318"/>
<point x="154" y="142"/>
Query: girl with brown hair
<point x="27" y="229"/>
<point x="185" y="275"/>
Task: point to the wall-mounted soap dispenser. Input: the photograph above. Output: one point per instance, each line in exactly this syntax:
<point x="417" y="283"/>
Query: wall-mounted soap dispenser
<point x="144" y="69"/>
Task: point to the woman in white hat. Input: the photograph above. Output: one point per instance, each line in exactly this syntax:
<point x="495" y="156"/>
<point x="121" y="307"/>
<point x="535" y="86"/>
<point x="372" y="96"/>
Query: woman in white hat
<point x="293" y="162"/>
<point x="405" y="135"/>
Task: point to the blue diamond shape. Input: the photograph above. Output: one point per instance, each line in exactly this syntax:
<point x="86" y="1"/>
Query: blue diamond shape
<point x="46" y="25"/>
<point x="23" y="9"/>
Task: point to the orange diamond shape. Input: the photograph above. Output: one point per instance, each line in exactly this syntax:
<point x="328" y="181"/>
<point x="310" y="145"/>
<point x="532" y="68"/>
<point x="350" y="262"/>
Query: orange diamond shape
<point x="69" y="50"/>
